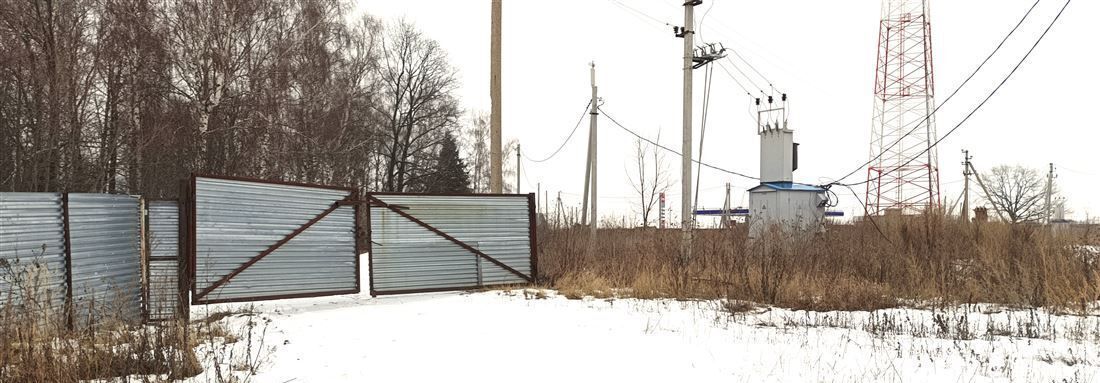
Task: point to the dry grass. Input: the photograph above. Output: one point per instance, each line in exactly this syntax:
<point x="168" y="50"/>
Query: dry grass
<point x="38" y="344"/>
<point x="929" y="259"/>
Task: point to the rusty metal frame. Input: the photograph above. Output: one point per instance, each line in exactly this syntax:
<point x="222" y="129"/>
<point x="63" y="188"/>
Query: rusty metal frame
<point x="197" y="297"/>
<point x="69" y="309"/>
<point x="182" y="309"/>
<point x="532" y="218"/>
<point x="371" y="200"/>
<point x="184" y="272"/>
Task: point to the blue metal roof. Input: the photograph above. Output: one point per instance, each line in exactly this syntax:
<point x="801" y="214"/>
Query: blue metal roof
<point x="737" y="211"/>
<point x="791" y="186"/>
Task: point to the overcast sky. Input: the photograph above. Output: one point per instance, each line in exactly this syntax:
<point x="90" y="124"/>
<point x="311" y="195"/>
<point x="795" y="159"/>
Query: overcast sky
<point x="821" y="53"/>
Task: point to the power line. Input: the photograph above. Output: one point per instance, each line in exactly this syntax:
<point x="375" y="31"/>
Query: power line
<point x="673" y="151"/>
<point x="587" y="105"/>
<point x="988" y="97"/>
<point x="738" y="69"/>
<point x="634" y="10"/>
<point x="951" y="96"/>
<point x="735" y="80"/>
<point x="754" y="69"/>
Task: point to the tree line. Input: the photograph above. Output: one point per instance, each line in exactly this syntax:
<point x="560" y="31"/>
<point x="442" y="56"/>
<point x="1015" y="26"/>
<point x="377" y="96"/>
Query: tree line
<point x="129" y="96"/>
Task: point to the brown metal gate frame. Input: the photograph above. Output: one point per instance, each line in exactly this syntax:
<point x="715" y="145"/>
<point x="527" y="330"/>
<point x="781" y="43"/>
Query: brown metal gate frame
<point x="372" y="201"/>
<point x="182" y="304"/>
<point x="196" y="296"/>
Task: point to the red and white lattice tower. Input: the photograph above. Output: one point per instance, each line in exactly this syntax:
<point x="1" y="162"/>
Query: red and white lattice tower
<point x="904" y="176"/>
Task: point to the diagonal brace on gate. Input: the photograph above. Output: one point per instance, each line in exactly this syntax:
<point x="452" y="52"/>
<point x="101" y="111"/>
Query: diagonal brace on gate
<point x="372" y="200"/>
<point x="271" y="249"/>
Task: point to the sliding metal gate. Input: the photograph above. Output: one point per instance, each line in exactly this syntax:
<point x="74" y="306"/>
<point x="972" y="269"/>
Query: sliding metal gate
<point x="260" y="240"/>
<point x="422" y="243"/>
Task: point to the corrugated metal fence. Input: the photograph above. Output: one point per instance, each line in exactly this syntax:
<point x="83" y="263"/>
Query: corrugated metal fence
<point x="105" y="246"/>
<point x="257" y="240"/>
<point x="235" y="239"/>
<point x="78" y="247"/>
<point x="32" y="250"/>
<point x="425" y="243"/>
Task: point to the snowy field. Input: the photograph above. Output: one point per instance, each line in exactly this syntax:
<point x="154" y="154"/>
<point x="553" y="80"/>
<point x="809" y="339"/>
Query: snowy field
<point x="538" y="336"/>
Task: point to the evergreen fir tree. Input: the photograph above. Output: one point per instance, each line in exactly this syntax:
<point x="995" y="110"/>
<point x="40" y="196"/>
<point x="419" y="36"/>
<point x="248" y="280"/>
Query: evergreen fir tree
<point x="451" y="175"/>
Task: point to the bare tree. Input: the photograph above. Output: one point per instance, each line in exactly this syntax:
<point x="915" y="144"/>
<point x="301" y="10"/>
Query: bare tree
<point x="650" y="179"/>
<point x="1018" y="192"/>
<point x="476" y="144"/>
<point x="417" y="102"/>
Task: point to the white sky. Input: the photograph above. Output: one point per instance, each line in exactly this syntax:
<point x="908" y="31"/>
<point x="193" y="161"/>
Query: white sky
<point x="821" y="53"/>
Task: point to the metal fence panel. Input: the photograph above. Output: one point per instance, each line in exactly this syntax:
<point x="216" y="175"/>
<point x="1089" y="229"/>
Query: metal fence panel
<point x="105" y="235"/>
<point x="236" y="221"/>
<point x="32" y="250"/>
<point x="408" y="256"/>
<point x="162" y="283"/>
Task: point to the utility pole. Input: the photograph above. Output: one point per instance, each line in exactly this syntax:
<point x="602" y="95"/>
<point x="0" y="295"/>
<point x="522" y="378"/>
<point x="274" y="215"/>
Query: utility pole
<point x="966" y="186"/>
<point x="518" y="164"/>
<point x="687" y="33"/>
<point x="726" y="209"/>
<point x="661" y="212"/>
<point x="496" y="179"/>
<point x="590" y="164"/>
<point x="978" y="177"/>
<point x="557" y="220"/>
<point x="1050" y="190"/>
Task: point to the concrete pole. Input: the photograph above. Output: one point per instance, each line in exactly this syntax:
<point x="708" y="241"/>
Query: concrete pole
<point x="1050" y="190"/>
<point x="496" y="180"/>
<point x="589" y="162"/>
<point x="592" y="114"/>
<point x="685" y="160"/>
<point x="726" y="209"/>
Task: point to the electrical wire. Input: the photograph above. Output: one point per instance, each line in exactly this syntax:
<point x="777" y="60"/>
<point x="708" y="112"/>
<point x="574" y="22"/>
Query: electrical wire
<point x="612" y="119"/>
<point x="754" y="70"/>
<point x="738" y="69"/>
<point x="732" y="77"/>
<point x="987" y="98"/>
<point x="634" y="10"/>
<point x="952" y="95"/>
<point x="587" y="106"/>
<point x="708" y="74"/>
<point x="867" y="214"/>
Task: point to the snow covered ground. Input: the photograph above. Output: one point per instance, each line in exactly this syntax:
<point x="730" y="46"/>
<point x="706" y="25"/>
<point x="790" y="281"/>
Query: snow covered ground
<point x="532" y="336"/>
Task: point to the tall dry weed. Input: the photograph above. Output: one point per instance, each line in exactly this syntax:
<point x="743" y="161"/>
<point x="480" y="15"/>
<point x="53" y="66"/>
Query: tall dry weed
<point x="860" y="266"/>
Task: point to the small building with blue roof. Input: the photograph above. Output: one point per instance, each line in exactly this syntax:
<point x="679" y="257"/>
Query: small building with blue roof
<point x="778" y="201"/>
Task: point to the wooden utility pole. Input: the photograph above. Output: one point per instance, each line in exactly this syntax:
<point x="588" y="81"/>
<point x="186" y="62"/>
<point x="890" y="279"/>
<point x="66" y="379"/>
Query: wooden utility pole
<point x="557" y="221"/>
<point x="966" y="186"/>
<point x="496" y="180"/>
<point x="590" y="164"/>
<point x="518" y="164"/>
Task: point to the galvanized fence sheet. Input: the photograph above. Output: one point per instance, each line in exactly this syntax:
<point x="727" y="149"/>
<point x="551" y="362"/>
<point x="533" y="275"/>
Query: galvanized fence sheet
<point x="448" y="242"/>
<point x="105" y="235"/>
<point x="257" y="240"/>
<point x="32" y="251"/>
<point x="163" y="301"/>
